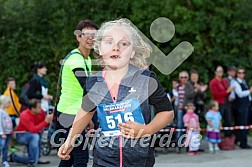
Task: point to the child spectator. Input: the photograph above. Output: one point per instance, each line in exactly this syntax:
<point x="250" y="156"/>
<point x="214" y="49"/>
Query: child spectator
<point x="213" y="118"/>
<point x="6" y="128"/>
<point x="191" y="122"/>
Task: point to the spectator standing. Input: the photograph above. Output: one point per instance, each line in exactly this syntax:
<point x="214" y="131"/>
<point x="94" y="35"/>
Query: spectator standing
<point x="200" y="93"/>
<point x="220" y="91"/>
<point x="38" y="86"/>
<point x="213" y="118"/>
<point x="242" y="101"/>
<point x="5" y="129"/>
<point x="191" y="122"/>
<point x="185" y="95"/>
<point x="14" y="109"/>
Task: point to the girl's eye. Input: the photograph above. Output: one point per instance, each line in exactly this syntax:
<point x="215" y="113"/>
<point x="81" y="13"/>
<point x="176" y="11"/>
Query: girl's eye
<point x="124" y="44"/>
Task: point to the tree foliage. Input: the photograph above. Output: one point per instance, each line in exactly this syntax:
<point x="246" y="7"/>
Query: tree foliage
<point x="33" y="30"/>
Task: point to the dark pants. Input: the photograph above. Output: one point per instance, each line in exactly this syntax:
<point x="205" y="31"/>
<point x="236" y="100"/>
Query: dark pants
<point x="200" y="110"/>
<point x="243" y="120"/>
<point x="225" y="110"/>
<point x="79" y="155"/>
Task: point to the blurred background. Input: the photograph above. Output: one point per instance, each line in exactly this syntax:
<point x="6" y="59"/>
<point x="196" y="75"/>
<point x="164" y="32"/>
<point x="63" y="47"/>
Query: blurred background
<point x="42" y="30"/>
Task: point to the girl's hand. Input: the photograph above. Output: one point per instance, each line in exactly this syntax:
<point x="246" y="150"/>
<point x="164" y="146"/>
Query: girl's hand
<point x="65" y="150"/>
<point x="199" y="129"/>
<point x="4" y="136"/>
<point x="134" y="130"/>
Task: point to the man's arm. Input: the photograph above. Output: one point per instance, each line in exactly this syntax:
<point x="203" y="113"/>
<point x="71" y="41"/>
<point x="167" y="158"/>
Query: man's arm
<point x="238" y="90"/>
<point x="80" y="75"/>
<point x="30" y="126"/>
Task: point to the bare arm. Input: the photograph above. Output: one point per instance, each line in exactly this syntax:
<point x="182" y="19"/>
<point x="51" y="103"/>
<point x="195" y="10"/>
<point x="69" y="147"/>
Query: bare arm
<point x="137" y="130"/>
<point x="81" y="121"/>
<point x="221" y="125"/>
<point x="160" y="121"/>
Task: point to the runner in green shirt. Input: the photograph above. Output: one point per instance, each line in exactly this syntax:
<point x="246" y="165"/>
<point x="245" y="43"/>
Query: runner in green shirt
<point x="75" y="69"/>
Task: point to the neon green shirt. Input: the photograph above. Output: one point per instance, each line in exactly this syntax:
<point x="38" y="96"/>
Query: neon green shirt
<point x="71" y="90"/>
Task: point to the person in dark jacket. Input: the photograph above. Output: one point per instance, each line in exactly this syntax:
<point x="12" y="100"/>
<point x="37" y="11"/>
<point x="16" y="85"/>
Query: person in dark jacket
<point x="38" y="86"/>
<point x="242" y="101"/>
<point x="200" y="93"/>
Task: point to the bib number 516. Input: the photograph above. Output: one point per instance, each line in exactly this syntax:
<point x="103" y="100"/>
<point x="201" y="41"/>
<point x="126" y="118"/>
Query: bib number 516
<point x="128" y="116"/>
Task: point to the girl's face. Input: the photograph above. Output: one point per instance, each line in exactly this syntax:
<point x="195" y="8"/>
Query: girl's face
<point x="7" y="104"/>
<point x="116" y="48"/>
<point x="216" y="107"/>
<point x="190" y="109"/>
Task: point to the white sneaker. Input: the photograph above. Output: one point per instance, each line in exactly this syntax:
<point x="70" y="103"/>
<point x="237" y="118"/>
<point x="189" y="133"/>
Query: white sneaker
<point x="216" y="148"/>
<point x="211" y="150"/>
<point x="6" y="164"/>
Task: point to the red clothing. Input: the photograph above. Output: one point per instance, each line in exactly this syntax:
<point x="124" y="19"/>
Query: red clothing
<point x="32" y="123"/>
<point x="218" y="89"/>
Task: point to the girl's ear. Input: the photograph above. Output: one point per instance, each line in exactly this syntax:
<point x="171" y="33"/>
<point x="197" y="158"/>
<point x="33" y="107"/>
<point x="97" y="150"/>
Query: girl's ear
<point x="132" y="54"/>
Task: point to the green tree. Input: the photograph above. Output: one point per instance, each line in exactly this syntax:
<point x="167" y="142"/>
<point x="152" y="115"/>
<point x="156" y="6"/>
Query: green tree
<point x="32" y="30"/>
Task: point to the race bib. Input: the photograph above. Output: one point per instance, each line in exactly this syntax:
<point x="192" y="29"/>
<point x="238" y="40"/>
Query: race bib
<point x="120" y="112"/>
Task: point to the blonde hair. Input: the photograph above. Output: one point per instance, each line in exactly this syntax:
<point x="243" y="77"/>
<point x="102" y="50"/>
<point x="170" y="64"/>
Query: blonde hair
<point x="141" y="48"/>
<point x="4" y="100"/>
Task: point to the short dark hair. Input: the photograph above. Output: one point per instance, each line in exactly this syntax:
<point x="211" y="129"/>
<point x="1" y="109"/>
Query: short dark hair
<point x="10" y="79"/>
<point x="37" y="66"/>
<point x="212" y="104"/>
<point x="193" y="71"/>
<point x="86" y="23"/>
<point x="231" y="68"/>
<point x="33" y="103"/>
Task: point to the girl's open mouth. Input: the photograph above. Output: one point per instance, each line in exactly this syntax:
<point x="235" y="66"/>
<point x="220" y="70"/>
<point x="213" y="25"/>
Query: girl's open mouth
<point x="114" y="56"/>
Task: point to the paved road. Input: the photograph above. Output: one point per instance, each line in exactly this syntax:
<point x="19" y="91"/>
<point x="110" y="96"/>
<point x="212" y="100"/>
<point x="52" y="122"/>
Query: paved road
<point x="232" y="158"/>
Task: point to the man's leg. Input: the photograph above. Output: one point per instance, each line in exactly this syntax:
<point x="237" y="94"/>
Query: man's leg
<point x="64" y="163"/>
<point x="225" y="111"/>
<point x="80" y="153"/>
<point x="244" y="113"/>
<point x="228" y="117"/>
<point x="31" y="141"/>
<point x="180" y="123"/>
